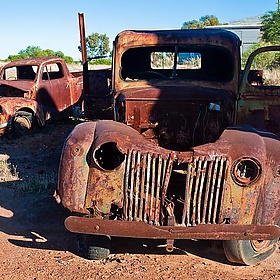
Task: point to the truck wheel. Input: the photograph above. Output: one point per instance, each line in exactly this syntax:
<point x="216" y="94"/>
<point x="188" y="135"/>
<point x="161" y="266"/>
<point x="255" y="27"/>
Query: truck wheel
<point x="249" y="252"/>
<point x="22" y="124"/>
<point x="93" y="247"/>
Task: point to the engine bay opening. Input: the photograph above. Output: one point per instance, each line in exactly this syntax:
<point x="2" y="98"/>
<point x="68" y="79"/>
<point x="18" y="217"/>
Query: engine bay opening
<point x="108" y="156"/>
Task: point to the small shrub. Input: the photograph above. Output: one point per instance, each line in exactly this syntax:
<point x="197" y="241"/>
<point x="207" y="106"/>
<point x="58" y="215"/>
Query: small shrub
<point x="36" y="183"/>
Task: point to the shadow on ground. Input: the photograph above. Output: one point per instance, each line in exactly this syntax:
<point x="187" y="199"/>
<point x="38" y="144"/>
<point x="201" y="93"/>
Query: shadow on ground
<point x="38" y="222"/>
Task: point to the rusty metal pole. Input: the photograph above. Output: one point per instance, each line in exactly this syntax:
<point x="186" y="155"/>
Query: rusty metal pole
<point x="84" y="54"/>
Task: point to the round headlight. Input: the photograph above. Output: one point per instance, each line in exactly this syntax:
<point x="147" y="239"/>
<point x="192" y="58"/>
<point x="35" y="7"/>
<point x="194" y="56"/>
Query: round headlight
<point x="246" y="171"/>
<point x="108" y="156"/>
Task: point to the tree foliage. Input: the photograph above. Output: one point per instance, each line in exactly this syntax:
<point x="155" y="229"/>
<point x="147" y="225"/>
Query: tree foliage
<point x="35" y="51"/>
<point x="271" y="27"/>
<point x="97" y="45"/>
<point x="270" y="36"/>
<point x="207" y="20"/>
<point x="260" y="61"/>
<point x="264" y="60"/>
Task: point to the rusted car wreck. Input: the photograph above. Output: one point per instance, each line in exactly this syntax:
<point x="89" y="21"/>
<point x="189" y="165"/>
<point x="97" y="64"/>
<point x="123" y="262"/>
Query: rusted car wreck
<point x="175" y="163"/>
<point x="35" y="90"/>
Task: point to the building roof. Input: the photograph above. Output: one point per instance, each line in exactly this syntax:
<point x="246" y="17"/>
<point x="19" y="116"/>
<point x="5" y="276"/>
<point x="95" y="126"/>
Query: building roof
<point x="247" y="21"/>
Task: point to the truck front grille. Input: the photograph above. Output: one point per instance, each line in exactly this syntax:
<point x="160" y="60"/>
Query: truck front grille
<point x="148" y="188"/>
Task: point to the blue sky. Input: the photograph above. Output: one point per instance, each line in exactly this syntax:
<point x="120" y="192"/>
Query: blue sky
<point x="53" y="24"/>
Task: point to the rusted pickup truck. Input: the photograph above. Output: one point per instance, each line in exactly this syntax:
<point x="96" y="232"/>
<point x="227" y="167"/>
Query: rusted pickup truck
<point x="192" y="152"/>
<point x="35" y="90"/>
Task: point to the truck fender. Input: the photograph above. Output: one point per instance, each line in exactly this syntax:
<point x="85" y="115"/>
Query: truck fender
<point x="270" y="199"/>
<point x="74" y="168"/>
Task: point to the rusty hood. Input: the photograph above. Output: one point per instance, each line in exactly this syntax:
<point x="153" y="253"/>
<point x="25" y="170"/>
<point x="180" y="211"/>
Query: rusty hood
<point x="21" y="85"/>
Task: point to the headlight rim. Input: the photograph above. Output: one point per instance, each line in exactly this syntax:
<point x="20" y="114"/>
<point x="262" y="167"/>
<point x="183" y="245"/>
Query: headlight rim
<point x="246" y="181"/>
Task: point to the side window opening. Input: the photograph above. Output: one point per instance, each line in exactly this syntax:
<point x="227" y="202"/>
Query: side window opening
<point x="10" y="73"/>
<point x="265" y="70"/>
<point x="52" y="71"/>
<point x="21" y="72"/>
<point x="26" y="72"/>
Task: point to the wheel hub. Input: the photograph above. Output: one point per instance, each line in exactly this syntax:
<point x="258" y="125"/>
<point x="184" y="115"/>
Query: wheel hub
<point x="259" y="245"/>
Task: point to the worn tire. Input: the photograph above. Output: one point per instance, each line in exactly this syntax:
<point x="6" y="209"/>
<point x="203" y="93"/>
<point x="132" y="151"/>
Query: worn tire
<point x="22" y="124"/>
<point x="93" y="247"/>
<point x="249" y="252"/>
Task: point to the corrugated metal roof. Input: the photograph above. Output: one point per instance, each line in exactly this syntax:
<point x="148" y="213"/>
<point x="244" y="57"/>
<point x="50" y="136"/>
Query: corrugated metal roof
<point x="247" y="21"/>
<point x="247" y="29"/>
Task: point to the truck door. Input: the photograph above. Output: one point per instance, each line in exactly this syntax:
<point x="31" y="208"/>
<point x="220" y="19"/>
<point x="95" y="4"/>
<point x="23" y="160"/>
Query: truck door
<point x="259" y="103"/>
<point x="54" y="89"/>
<point x="98" y="100"/>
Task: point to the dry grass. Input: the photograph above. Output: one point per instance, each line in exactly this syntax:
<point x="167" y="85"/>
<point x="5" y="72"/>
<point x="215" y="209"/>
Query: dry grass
<point x="29" y="164"/>
<point x="8" y="172"/>
<point x="38" y="183"/>
<point x="272" y="77"/>
<point x="33" y="184"/>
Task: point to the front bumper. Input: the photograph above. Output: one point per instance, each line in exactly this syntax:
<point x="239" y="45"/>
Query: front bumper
<point x="136" y="229"/>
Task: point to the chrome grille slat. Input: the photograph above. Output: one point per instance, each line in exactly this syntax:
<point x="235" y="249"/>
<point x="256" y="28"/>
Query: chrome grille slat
<point x="200" y="192"/>
<point x="207" y="193"/>
<point x="195" y="190"/>
<point x="126" y="179"/>
<point x="186" y="210"/>
<point x="157" y="195"/>
<point x="212" y="193"/>
<point x="218" y="190"/>
<point x="146" y="186"/>
<point x="142" y="187"/>
<point x="189" y="192"/>
<point x="137" y="186"/>
<point x="132" y="187"/>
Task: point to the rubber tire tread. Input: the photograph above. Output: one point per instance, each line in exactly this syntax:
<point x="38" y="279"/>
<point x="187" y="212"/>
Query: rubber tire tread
<point x="93" y="247"/>
<point x="17" y="130"/>
<point x="242" y="252"/>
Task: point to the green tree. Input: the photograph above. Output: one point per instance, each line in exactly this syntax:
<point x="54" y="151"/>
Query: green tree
<point x="97" y="45"/>
<point x="35" y="51"/>
<point x="271" y="27"/>
<point x="265" y="60"/>
<point x="207" y="20"/>
<point x="193" y="24"/>
<point x="30" y="51"/>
